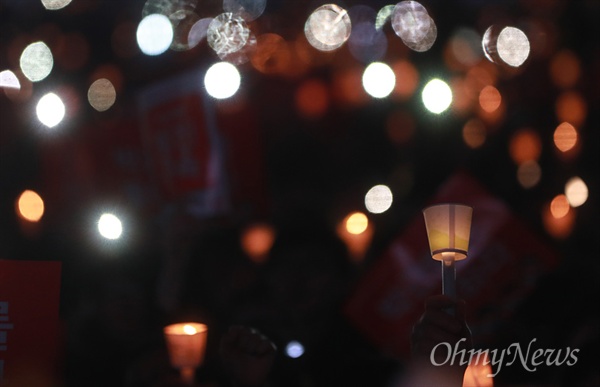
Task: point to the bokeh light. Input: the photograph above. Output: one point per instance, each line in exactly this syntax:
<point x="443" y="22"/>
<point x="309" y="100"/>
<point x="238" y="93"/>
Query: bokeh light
<point x="53" y="5"/>
<point x="50" y="110"/>
<point x="559" y="206"/>
<point x="198" y="31"/>
<point x="525" y="145"/>
<point x="189" y="329"/>
<point x="529" y="174"/>
<point x="257" y="240"/>
<point x="428" y="40"/>
<point x="248" y="9"/>
<point x="222" y="80"/>
<point x="407" y="78"/>
<point x="9" y="80"/>
<point x="474" y="133"/>
<point x="154" y="34"/>
<point x="558" y="227"/>
<point x="328" y="27"/>
<point x="102" y="94"/>
<point x="312" y="98"/>
<point x="110" y="226"/>
<point x="271" y="55"/>
<point x="294" y="349"/>
<point x="182" y="22"/>
<point x="384" y="15"/>
<point x="378" y="80"/>
<point x="36" y="61"/>
<point x="565" y="137"/>
<point x="378" y="199"/>
<point x="30" y="206"/>
<point x="410" y="21"/>
<point x="489" y="99"/>
<point x="465" y="46"/>
<point x="576" y="191"/>
<point x="513" y="46"/>
<point x="571" y="107"/>
<point x="565" y="69"/>
<point x="437" y="96"/>
<point x="357" y="223"/>
<point x="367" y="43"/>
<point x="227" y="33"/>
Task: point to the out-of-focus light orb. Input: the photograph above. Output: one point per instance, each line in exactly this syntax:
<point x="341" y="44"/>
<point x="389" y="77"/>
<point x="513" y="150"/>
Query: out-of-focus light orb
<point x="571" y="107"/>
<point x="248" y="9"/>
<point x="227" y="33"/>
<point x="102" y="94"/>
<point x="558" y="227"/>
<point x="576" y="191"/>
<point x="53" y="5"/>
<point x="513" y="46"/>
<point x="222" y="80"/>
<point x="198" y="31"/>
<point x="437" y="96"/>
<point x="182" y="22"/>
<point x="109" y="226"/>
<point x="426" y="43"/>
<point x="9" y="80"/>
<point x="407" y="78"/>
<point x="328" y="27"/>
<point x="525" y="145"/>
<point x="50" y="110"/>
<point x="474" y="133"/>
<point x="30" y="206"/>
<point x="294" y="349"/>
<point x="312" y="98"/>
<point x="257" y="240"/>
<point x="154" y="34"/>
<point x="189" y="329"/>
<point x="379" y="199"/>
<point x="565" y="137"/>
<point x="378" y="80"/>
<point x="565" y="69"/>
<point x="490" y="99"/>
<point x="559" y="206"/>
<point x="357" y="223"/>
<point x="465" y="46"/>
<point x="36" y="61"/>
<point x="410" y="21"/>
<point x="529" y="174"/>
<point x="384" y="15"/>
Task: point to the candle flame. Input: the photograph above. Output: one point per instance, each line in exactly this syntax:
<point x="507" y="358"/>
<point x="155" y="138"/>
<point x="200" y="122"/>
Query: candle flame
<point x="189" y="330"/>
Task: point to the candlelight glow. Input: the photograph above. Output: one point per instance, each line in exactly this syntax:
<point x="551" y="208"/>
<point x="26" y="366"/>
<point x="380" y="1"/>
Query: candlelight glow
<point x="257" y="240"/>
<point x="448" y="230"/>
<point x="565" y="137"/>
<point x="357" y="223"/>
<point x="189" y="329"/>
<point x="489" y="99"/>
<point x="559" y="206"/>
<point x="30" y="206"/>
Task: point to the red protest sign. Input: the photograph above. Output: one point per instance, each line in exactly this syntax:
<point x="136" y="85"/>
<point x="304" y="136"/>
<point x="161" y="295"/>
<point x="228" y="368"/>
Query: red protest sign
<point x="29" y="326"/>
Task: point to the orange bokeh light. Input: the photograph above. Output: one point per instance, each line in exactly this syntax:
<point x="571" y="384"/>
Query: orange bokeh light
<point x="474" y="133"/>
<point x="565" y="69"/>
<point x="565" y="137"/>
<point x="490" y="99"/>
<point x="571" y="107"/>
<point x="559" y="206"/>
<point x="257" y="240"/>
<point x="407" y="78"/>
<point x="312" y="98"/>
<point x="30" y="206"/>
<point x="525" y="145"/>
<point x="272" y="54"/>
<point x="559" y="228"/>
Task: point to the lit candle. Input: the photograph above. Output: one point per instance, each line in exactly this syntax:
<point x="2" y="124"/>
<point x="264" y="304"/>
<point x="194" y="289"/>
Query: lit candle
<point x="186" y="344"/>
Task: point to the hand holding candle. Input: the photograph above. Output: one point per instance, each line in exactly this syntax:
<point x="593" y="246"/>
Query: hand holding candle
<point x="186" y="344"/>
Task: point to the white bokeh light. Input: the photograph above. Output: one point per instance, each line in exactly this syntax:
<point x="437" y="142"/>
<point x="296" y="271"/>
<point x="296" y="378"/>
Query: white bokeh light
<point x="222" y="80"/>
<point x="513" y="46"/>
<point x="294" y="349"/>
<point x="50" y="110"/>
<point x="378" y="199"/>
<point x="328" y="27"/>
<point x="576" y="191"/>
<point x="36" y="61"/>
<point x="9" y="80"/>
<point x="437" y="96"/>
<point x="154" y="34"/>
<point x="109" y="226"/>
<point x="378" y="80"/>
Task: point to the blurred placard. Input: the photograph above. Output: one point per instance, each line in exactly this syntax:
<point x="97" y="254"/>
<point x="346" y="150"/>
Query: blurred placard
<point x="29" y="301"/>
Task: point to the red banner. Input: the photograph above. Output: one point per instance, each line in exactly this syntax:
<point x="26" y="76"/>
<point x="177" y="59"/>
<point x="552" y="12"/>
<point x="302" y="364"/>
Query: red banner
<point x="505" y="261"/>
<point x="29" y="326"/>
